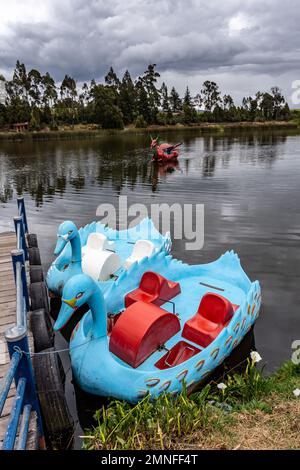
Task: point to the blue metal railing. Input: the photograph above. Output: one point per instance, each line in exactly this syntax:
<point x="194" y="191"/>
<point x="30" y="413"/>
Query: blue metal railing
<point x="21" y="227"/>
<point x="20" y="368"/>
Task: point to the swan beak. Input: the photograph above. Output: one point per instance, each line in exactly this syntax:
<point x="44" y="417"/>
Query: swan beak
<point x="71" y="302"/>
<point x="65" y="313"/>
<point x="60" y="244"/>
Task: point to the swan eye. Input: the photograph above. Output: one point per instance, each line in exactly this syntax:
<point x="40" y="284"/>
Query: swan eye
<point x="79" y="295"/>
<point x="69" y="232"/>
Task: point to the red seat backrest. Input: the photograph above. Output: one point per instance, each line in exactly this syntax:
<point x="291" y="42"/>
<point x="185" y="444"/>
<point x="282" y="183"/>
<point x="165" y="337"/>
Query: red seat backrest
<point x="215" y="308"/>
<point x="150" y="283"/>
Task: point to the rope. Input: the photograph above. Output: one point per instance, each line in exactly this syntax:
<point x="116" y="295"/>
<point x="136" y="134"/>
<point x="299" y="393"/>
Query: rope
<point x="57" y="351"/>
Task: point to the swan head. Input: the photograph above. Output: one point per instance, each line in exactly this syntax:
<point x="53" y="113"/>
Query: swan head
<point x="154" y="142"/>
<point x="66" y="232"/>
<point x="76" y="292"/>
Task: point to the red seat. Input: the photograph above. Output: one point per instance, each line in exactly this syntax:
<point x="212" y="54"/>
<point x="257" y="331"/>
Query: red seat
<point x="213" y="314"/>
<point x="153" y="288"/>
<point x="140" y="330"/>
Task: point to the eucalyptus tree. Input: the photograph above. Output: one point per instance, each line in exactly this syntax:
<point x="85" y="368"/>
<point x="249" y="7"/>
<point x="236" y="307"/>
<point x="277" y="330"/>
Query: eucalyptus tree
<point x="68" y="93"/>
<point x="165" y="102"/>
<point x="50" y="94"/>
<point x="189" y="112"/>
<point x="35" y="92"/>
<point x="251" y="107"/>
<point x="2" y="89"/>
<point x="16" y="99"/>
<point x="104" y="108"/>
<point x="49" y="98"/>
<point x="143" y="105"/>
<point x="84" y="99"/>
<point x="210" y="95"/>
<point x="3" y="110"/>
<point x="228" y="102"/>
<point x="127" y="98"/>
<point x="21" y="81"/>
<point x="175" y="101"/>
<point x="197" y="100"/>
<point x="229" y="109"/>
<point x="278" y="102"/>
<point x="111" y="79"/>
<point x="85" y="94"/>
<point x="267" y="106"/>
<point x="68" y="89"/>
<point x="149" y="80"/>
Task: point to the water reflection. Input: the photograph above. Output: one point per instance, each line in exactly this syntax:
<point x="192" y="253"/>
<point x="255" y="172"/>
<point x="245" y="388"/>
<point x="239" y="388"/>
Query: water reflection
<point x="248" y="183"/>
<point x="43" y="169"/>
<point x="160" y="171"/>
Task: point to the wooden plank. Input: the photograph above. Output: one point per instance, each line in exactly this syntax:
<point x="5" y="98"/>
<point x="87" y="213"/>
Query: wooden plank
<point x="7" y="298"/>
<point x="3" y="370"/>
<point x="7" y="324"/>
<point x="3" y="328"/>
<point x="8" y="293"/>
<point x="7" y="244"/>
<point x="6" y="268"/>
<point x="7" y="319"/>
<point x="8" y="311"/>
<point x="7" y="406"/>
<point x="6" y="306"/>
<point x="5" y="251"/>
<point x="8" y="287"/>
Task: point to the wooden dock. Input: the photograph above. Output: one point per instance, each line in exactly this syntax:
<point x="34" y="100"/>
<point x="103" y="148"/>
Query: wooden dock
<point x="7" y="319"/>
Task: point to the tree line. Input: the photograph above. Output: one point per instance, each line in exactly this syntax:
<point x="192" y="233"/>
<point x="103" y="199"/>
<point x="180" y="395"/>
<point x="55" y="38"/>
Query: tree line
<point x="36" y="98"/>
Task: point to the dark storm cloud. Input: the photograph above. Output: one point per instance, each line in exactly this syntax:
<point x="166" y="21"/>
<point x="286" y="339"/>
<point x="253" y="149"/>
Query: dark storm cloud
<point x="192" y="37"/>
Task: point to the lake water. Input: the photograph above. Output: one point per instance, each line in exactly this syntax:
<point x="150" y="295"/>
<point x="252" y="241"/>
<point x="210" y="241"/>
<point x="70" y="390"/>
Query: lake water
<point x="249" y="184"/>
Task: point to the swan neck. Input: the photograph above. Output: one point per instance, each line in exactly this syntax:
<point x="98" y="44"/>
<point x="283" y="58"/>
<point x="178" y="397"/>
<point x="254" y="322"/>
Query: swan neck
<point x="76" y="249"/>
<point x="97" y="307"/>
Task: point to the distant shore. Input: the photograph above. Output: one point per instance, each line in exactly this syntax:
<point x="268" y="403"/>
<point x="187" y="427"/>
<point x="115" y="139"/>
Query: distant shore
<point x="87" y="132"/>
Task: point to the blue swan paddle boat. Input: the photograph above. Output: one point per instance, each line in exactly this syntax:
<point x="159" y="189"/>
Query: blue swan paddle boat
<point x="102" y="252"/>
<point x="173" y="324"/>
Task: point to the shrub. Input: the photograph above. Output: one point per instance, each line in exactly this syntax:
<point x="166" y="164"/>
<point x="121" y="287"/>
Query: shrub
<point x="140" y="122"/>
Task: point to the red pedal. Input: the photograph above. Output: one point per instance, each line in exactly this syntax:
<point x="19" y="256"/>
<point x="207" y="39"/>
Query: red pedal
<point x="181" y="352"/>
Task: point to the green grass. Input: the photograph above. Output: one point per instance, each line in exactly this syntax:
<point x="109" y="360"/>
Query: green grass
<point x="88" y="132"/>
<point x="204" y="419"/>
<point x="295" y="115"/>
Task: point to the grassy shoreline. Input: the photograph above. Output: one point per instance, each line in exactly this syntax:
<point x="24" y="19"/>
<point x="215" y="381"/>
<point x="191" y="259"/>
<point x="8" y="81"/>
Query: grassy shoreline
<point x="252" y="412"/>
<point x="89" y="132"/>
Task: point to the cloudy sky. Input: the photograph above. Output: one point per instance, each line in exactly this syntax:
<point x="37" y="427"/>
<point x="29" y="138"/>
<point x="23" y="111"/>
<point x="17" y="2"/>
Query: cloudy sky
<point x="244" y="45"/>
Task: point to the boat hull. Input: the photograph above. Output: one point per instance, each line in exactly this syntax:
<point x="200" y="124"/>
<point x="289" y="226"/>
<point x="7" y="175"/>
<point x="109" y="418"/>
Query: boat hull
<point x="62" y="269"/>
<point x="108" y="375"/>
<point x="162" y="154"/>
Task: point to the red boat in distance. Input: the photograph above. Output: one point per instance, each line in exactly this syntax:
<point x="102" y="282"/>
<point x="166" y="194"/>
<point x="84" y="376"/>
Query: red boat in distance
<point x="164" y="152"/>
